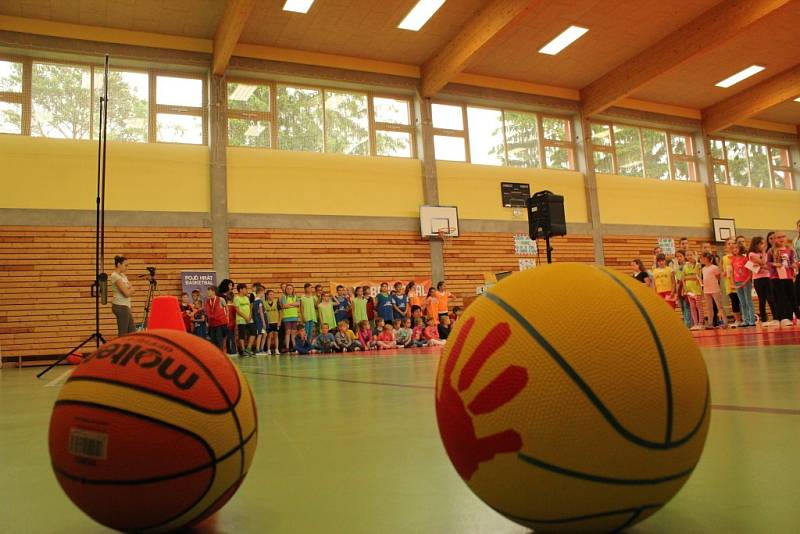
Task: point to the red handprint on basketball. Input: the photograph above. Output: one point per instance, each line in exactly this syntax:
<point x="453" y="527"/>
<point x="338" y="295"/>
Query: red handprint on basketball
<point x="456" y="427"/>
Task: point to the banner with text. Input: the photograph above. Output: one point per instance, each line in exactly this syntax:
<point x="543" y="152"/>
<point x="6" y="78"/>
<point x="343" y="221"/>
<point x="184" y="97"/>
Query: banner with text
<point x="191" y="280"/>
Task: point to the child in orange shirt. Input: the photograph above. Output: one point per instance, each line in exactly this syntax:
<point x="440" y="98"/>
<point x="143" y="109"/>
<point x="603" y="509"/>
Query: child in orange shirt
<point x="443" y="296"/>
<point x="432" y="306"/>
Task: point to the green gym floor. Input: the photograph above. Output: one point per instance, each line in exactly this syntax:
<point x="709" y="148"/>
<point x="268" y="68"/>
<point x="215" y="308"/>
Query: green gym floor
<point x="349" y="444"/>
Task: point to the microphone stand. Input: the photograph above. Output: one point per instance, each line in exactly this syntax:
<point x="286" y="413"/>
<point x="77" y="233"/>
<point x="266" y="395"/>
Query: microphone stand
<point x="100" y="284"/>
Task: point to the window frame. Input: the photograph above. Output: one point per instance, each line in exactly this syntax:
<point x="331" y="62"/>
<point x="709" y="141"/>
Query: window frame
<point x="269" y="116"/>
<point x="172" y="109"/>
<point x="672" y="157"/>
<point x="274" y="113"/>
<point x="23" y="97"/>
<point x="789" y="186"/>
<point x="541" y="142"/>
<point x="26" y="96"/>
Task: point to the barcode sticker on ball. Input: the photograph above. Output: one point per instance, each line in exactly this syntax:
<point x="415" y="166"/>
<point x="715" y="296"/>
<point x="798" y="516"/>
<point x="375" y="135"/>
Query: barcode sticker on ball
<point x="88" y="444"/>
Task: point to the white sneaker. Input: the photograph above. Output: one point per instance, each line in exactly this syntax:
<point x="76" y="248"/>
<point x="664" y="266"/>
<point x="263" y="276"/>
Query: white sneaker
<point x="770" y="323"/>
<point x="734" y="324"/>
<point x="696" y="327"/>
<point x="786" y="322"/>
<point x="268" y="353"/>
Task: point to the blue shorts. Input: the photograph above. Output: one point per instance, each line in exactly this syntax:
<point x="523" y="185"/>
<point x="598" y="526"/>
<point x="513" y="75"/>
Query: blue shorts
<point x="259" y="326"/>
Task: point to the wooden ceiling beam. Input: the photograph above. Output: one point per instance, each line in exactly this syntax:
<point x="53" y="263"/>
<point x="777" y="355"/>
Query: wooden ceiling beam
<point x="490" y="20"/>
<point x="228" y="31"/>
<point x="712" y="28"/>
<point x="771" y="92"/>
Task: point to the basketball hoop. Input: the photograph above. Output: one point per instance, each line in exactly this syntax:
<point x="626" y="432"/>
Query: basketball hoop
<point x="446" y="235"/>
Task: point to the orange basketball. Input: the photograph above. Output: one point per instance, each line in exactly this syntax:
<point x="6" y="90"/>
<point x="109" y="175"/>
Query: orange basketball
<point x="153" y="432"/>
<point x="571" y="399"/>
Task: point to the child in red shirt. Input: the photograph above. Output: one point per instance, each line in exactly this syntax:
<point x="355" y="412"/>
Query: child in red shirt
<point x="743" y="280"/>
<point x="365" y="335"/>
<point x="386" y="339"/>
<point x="432" y="334"/>
<point x="418" y="334"/>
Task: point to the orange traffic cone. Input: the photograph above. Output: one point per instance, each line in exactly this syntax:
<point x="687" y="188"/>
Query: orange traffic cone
<point x="165" y="313"/>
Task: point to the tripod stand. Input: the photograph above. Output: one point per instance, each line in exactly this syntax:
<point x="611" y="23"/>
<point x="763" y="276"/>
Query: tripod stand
<point x="149" y="300"/>
<point x="99" y="287"/>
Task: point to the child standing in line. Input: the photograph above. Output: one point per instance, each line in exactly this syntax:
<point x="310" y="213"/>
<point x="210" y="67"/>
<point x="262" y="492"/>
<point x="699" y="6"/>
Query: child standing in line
<point x="260" y="320"/>
<point x="217" y="314"/>
<point x="640" y="273"/>
<point x="432" y="306"/>
<point x="443" y="296"/>
<point x="743" y="278"/>
<point x="341" y="305"/>
<point x="444" y="328"/>
<point x="386" y="339"/>
<point x="782" y="263"/>
<point x="186" y="312"/>
<point x="693" y="290"/>
<point x="412" y="298"/>
<point x="758" y="265"/>
<point x="383" y="304"/>
<point x="712" y="292"/>
<point x="344" y="338"/>
<point x="198" y="315"/>
<point x="365" y="336"/>
<point x="404" y="334"/>
<point x="244" y="321"/>
<point x="664" y="280"/>
<point x="399" y="302"/>
<point x="359" y="307"/>
<point x="301" y="343"/>
<point x="273" y="321"/>
<point x="728" y="283"/>
<point x="308" y="309"/>
<point x="326" y="341"/>
<point x="290" y="310"/>
<point x="326" y="313"/>
<point x="432" y="334"/>
<point x="680" y="287"/>
<point x="370" y="304"/>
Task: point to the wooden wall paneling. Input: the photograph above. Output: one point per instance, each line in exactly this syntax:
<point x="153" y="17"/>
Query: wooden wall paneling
<point x="621" y="250"/>
<point x="473" y="254"/>
<point x="46" y="272"/>
<point x="273" y="256"/>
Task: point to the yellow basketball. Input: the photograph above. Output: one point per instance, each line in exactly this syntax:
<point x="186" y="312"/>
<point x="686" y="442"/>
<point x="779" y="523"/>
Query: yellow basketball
<point x="570" y="398"/>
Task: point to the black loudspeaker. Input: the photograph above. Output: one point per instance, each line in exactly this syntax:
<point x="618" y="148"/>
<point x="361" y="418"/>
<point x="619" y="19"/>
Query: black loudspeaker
<point x="546" y="215"/>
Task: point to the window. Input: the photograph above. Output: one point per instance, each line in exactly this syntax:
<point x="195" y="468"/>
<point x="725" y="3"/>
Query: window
<point x="486" y="138"/>
<point x="128" y="111"/>
<point x="249" y="115"/>
<point x="61" y="100"/>
<point x="449" y="138"/>
<point x="628" y="146"/>
<point x="522" y="139"/>
<point x="11" y="97"/>
<point x="315" y="119"/>
<point x="179" y="110"/>
<point x="502" y="137"/>
<point x="750" y="164"/>
<point x="649" y="152"/>
<point x="346" y="123"/>
<point x="394" y="133"/>
<point x="559" y="151"/>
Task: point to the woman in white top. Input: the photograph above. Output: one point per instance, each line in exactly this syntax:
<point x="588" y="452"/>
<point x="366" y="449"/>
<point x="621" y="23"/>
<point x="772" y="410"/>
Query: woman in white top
<point x="121" y="305"/>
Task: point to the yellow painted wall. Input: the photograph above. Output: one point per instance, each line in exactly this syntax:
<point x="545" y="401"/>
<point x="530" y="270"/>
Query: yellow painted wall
<point x="276" y="181"/>
<point x="475" y="189"/>
<point x="759" y="208"/>
<point x="644" y="201"/>
<point x="40" y="173"/>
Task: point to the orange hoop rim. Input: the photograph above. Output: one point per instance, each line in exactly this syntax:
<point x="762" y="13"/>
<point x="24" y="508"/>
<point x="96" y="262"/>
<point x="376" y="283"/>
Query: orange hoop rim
<point x="445" y="234"/>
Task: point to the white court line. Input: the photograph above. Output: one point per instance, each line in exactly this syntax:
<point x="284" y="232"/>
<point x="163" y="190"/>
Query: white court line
<point x="60" y="378"/>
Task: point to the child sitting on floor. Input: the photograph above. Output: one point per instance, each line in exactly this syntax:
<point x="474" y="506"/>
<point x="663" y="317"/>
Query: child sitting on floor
<point x="326" y="341"/>
<point x="345" y="338"/>
<point x="386" y="339"/>
<point x="301" y="343"/>
<point x="365" y="336"/>
<point x="432" y="334"/>
<point x="418" y="333"/>
<point x="444" y="327"/>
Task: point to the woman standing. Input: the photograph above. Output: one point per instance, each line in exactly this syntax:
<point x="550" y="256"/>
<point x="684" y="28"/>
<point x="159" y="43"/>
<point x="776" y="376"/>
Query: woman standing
<point x="122" y="289"/>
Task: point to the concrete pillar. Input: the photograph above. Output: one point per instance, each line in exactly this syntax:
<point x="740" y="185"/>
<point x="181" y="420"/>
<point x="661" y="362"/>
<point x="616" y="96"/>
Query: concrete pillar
<point x="219" y="176"/>
<point x="430" y="182"/>
<point x="706" y="173"/>
<point x="585" y="164"/>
